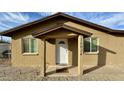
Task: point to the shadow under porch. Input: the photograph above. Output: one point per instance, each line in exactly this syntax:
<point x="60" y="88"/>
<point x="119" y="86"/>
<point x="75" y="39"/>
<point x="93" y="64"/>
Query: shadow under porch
<point x="53" y="69"/>
<point x="57" y="69"/>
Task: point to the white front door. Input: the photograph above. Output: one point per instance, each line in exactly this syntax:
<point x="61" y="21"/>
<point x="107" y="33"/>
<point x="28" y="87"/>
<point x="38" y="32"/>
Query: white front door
<point x="62" y="51"/>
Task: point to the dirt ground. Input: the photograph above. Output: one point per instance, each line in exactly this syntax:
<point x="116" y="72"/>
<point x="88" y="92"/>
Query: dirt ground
<point x="105" y="73"/>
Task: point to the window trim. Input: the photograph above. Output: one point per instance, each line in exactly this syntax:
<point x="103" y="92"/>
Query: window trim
<point x="29" y="53"/>
<point x="91" y="46"/>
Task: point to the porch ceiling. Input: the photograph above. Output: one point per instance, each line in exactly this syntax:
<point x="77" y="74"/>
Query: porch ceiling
<point x="76" y="30"/>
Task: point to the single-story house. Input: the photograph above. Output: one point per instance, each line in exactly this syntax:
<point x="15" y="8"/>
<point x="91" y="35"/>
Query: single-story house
<point x="63" y="41"/>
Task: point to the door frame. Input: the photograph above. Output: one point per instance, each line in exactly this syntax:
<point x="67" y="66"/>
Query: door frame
<point x="66" y="50"/>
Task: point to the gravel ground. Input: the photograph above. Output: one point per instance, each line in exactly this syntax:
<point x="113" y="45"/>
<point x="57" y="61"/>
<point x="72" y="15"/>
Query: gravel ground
<point x="105" y="73"/>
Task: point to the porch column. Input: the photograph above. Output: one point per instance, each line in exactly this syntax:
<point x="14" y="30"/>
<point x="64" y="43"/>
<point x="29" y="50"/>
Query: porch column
<point x="43" y="69"/>
<point x="45" y="57"/>
<point x="80" y="55"/>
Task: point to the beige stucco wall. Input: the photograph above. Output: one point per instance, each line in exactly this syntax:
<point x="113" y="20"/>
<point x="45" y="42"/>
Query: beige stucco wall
<point x="73" y="51"/>
<point x="110" y="51"/>
<point x="27" y="60"/>
<point x="18" y="58"/>
<point x="51" y="46"/>
<point x="50" y="52"/>
<point x="111" y="47"/>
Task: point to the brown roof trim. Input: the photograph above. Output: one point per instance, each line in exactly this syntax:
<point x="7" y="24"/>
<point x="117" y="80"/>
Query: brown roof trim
<point x="28" y="24"/>
<point x="118" y="31"/>
<point x="77" y="30"/>
<point x="36" y="34"/>
<point x="108" y="30"/>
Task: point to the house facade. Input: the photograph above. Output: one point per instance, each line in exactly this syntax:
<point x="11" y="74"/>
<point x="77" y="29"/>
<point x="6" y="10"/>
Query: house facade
<point x="65" y="43"/>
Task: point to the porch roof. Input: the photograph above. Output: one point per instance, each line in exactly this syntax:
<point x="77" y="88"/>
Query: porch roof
<point x="76" y="30"/>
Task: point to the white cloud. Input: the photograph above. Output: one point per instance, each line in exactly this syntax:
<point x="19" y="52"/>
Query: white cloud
<point x="44" y="14"/>
<point x="14" y="17"/>
<point x="53" y="13"/>
<point x="4" y="26"/>
<point x="116" y="19"/>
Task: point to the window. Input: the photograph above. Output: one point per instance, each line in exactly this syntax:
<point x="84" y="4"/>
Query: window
<point x="30" y="45"/>
<point x="91" y="44"/>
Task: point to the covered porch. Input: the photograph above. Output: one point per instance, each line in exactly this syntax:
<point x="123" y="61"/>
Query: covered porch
<point x="61" y="56"/>
<point x="63" y="50"/>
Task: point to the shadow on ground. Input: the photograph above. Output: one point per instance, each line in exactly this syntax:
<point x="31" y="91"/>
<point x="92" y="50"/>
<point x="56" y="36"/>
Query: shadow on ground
<point x="102" y="55"/>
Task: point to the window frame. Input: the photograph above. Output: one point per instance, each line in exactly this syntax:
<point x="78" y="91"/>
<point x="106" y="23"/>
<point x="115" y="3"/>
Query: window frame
<point x="91" y="45"/>
<point x="29" y="53"/>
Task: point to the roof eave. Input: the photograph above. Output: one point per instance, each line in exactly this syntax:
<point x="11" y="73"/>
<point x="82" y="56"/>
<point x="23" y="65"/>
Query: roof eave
<point x="93" y="25"/>
<point x="62" y="26"/>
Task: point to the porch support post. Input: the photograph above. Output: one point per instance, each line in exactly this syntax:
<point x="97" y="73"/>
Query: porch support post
<point x="80" y="55"/>
<point x="44" y="57"/>
<point x="43" y="69"/>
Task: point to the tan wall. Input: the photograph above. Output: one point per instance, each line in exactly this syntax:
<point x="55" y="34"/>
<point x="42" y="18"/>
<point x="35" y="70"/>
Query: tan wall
<point x="51" y="52"/>
<point x="51" y="47"/>
<point x="23" y="60"/>
<point x="111" y="48"/>
<point x="18" y="58"/>
<point x="73" y="51"/>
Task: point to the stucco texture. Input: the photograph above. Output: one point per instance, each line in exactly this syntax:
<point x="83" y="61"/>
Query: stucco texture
<point x="110" y="46"/>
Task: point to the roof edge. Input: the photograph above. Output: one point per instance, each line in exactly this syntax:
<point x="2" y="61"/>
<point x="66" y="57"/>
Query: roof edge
<point x="108" y="30"/>
<point x="62" y="26"/>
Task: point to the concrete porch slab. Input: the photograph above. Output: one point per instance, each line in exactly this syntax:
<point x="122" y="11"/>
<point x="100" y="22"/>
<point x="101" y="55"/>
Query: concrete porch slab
<point x="53" y="71"/>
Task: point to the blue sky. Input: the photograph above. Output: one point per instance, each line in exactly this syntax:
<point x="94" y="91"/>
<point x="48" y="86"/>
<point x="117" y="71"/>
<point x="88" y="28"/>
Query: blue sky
<point x="114" y="20"/>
